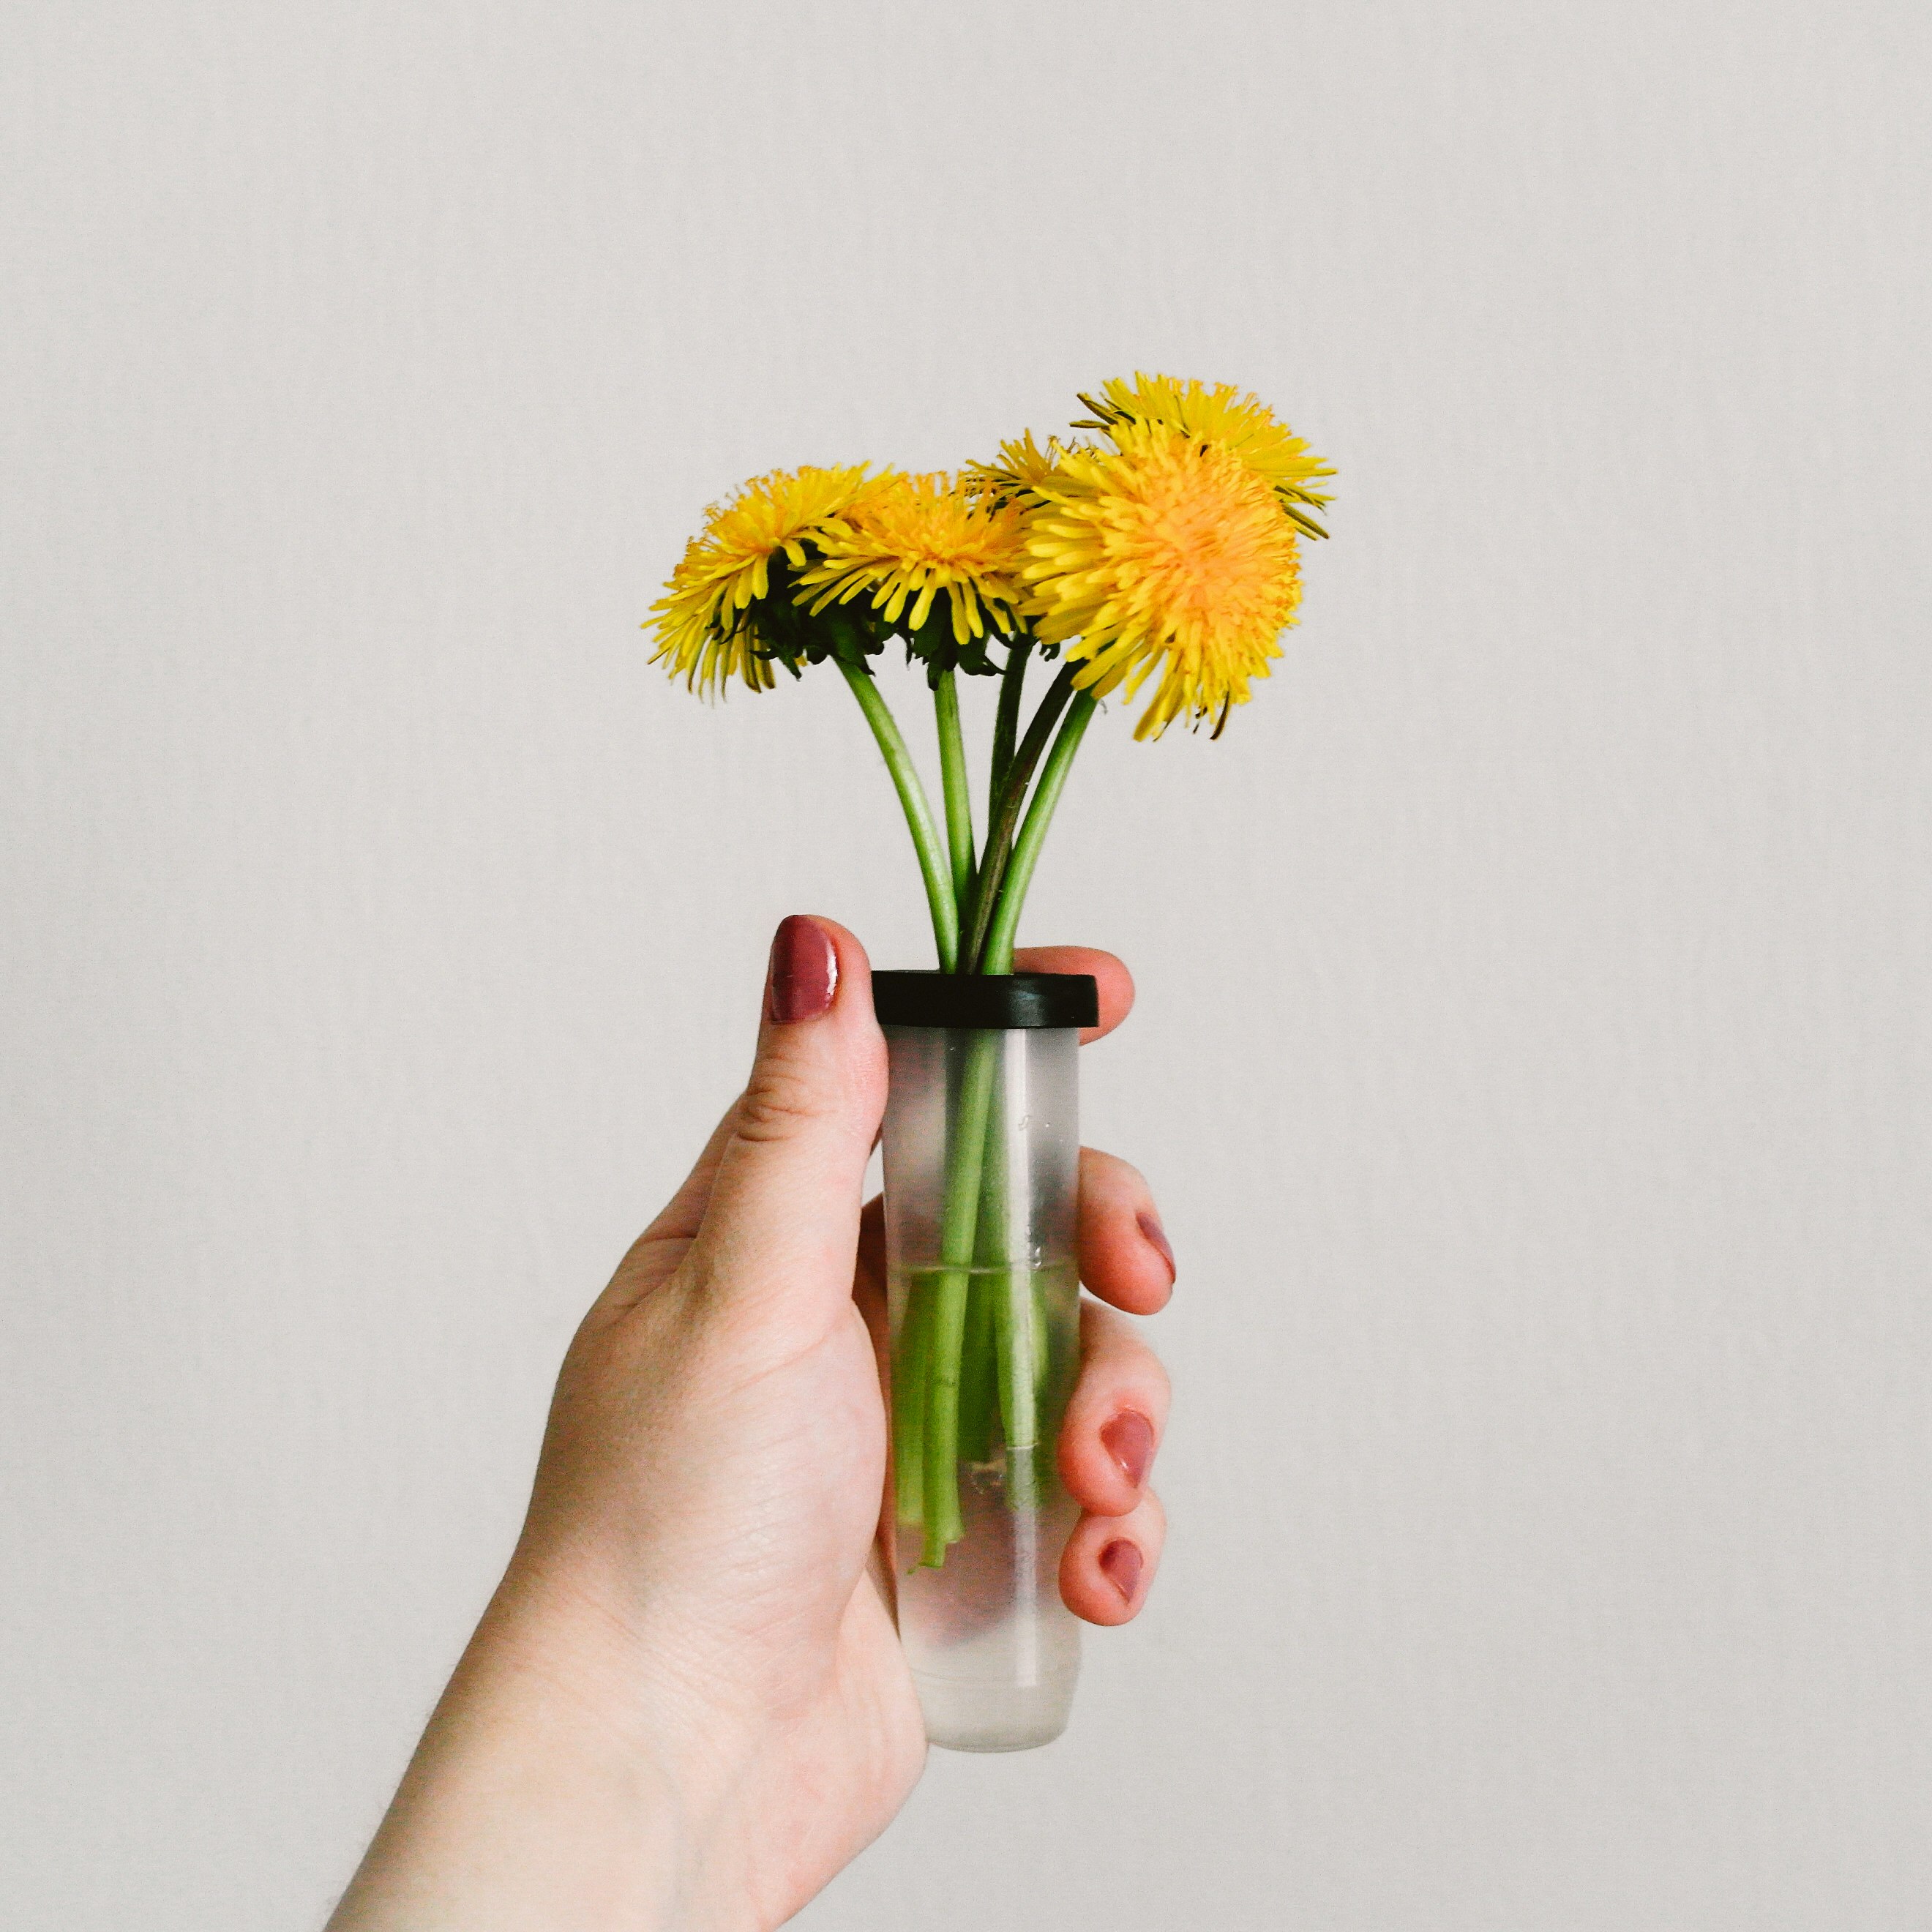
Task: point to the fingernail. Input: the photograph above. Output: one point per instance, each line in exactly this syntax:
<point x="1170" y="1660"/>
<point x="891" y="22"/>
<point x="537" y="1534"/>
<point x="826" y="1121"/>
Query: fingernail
<point x="804" y="971"/>
<point x="1156" y="1238"/>
<point x="1122" y="1563"/>
<point x="1128" y="1439"/>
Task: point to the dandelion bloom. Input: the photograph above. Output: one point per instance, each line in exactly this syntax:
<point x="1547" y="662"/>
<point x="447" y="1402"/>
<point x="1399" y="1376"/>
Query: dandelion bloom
<point x="912" y="539"/>
<point x="1168" y="554"/>
<point x="705" y="625"/>
<point x="1022" y="467"/>
<point x="1219" y="413"/>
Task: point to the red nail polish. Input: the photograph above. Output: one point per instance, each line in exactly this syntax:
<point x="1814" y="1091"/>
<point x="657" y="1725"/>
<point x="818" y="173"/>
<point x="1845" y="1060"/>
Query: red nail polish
<point x="1121" y="1562"/>
<point x="804" y="971"/>
<point x="1128" y="1439"/>
<point x="1156" y="1238"/>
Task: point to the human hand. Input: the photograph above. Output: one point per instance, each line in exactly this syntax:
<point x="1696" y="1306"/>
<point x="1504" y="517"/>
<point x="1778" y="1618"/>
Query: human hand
<point x="687" y="1705"/>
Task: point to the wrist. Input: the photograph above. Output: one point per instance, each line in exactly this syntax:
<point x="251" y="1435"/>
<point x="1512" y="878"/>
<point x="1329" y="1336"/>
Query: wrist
<point x="554" y="1785"/>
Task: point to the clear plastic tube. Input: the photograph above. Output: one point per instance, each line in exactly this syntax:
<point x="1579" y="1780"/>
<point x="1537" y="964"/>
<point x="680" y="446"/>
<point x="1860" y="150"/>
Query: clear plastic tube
<point x="982" y="1171"/>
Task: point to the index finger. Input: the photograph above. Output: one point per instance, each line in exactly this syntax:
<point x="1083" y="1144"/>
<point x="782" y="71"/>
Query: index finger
<point x="1116" y="983"/>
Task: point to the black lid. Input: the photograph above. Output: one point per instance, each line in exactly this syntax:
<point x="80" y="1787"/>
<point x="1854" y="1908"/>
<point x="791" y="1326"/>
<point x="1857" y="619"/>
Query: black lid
<point x="986" y="1000"/>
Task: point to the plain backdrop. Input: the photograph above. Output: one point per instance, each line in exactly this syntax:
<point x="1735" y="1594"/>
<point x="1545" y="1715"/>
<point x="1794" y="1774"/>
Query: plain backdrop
<point x="1533" y="1046"/>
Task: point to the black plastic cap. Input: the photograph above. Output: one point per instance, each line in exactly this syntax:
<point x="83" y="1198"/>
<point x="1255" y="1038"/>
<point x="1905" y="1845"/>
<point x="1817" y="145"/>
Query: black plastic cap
<point x="986" y="1001"/>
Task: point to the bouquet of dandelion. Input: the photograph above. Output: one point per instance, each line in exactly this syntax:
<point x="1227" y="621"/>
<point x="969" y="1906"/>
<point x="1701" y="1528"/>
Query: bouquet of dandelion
<point x="1162" y="546"/>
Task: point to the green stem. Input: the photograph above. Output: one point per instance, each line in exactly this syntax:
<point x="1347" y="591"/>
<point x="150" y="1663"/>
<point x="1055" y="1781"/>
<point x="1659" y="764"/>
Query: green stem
<point x="918" y="810"/>
<point x="998" y="955"/>
<point x="979" y="1382"/>
<point x="958" y="792"/>
<point x="909" y="1406"/>
<point x="967" y="1152"/>
<point x="946" y="1333"/>
<point x="1015" y="1328"/>
<point x="981" y="1402"/>
<point x="1007" y="723"/>
<point x="1017" y="1333"/>
<point x="1006" y="818"/>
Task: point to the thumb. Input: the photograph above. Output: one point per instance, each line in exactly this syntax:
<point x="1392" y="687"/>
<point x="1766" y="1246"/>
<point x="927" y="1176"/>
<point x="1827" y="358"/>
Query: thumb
<point x="783" y="1217"/>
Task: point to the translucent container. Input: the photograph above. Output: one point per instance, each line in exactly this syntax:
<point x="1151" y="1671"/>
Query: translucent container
<point x="982" y="1160"/>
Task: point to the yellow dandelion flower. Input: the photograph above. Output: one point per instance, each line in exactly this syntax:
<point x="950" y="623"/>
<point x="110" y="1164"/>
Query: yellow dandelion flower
<point x="912" y="539"/>
<point x="1165" y="553"/>
<point x="1022" y="467"/>
<point x="706" y="627"/>
<point x="1219" y="413"/>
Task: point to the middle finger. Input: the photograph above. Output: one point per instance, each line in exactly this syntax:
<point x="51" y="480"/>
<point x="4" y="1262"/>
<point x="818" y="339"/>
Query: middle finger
<point x="1124" y="1255"/>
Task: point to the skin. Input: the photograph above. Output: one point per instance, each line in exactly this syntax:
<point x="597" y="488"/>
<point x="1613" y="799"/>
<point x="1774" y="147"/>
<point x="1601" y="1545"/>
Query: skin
<point x="686" y="1706"/>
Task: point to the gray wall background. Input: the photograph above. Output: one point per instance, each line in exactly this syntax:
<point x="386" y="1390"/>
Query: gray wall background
<point x="1533" y="1052"/>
